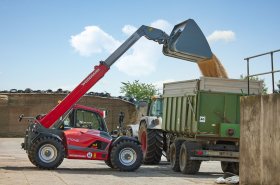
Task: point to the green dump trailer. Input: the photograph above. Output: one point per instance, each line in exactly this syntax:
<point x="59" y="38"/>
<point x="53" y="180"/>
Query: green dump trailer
<point x="196" y="120"/>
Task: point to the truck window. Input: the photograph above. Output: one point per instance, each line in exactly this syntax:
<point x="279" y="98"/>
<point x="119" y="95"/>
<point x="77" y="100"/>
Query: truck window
<point x="156" y="108"/>
<point x="89" y="120"/>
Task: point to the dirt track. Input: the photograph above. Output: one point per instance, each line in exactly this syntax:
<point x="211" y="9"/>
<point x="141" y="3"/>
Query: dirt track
<point x="15" y="168"/>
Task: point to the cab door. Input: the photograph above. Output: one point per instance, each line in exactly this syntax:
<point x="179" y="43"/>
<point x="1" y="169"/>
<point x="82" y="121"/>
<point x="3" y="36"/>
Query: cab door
<point x="87" y="138"/>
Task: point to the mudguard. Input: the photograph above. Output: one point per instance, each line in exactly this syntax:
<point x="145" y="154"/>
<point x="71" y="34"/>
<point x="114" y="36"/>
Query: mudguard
<point x="35" y="131"/>
<point x="121" y="138"/>
<point x="152" y="122"/>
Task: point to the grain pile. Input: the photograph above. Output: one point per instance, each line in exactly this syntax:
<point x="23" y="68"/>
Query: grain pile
<point x="212" y="68"/>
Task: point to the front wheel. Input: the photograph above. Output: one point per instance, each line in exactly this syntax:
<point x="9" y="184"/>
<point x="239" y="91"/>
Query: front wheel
<point x="126" y="156"/>
<point x="47" y="153"/>
<point x="151" y="144"/>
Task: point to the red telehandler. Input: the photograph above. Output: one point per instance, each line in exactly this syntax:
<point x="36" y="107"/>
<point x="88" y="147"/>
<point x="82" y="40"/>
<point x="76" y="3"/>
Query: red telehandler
<point x="78" y="132"/>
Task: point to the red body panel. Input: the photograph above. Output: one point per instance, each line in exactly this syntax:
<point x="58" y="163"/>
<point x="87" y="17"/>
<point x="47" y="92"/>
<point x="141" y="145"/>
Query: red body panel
<point x="80" y="144"/>
<point x="72" y="98"/>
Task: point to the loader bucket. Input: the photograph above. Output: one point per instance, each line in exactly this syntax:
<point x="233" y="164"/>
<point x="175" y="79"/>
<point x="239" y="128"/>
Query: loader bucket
<point x="187" y="42"/>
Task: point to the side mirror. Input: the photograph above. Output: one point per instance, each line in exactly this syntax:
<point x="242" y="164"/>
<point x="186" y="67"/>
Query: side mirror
<point x="187" y="42"/>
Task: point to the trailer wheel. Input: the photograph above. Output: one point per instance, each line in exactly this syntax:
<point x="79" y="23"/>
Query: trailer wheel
<point x="187" y="166"/>
<point x="47" y="153"/>
<point x="126" y="156"/>
<point x="174" y="155"/>
<point x="232" y="167"/>
<point x="151" y="143"/>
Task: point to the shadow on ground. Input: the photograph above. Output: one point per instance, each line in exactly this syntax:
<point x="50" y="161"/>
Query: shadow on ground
<point x="162" y="170"/>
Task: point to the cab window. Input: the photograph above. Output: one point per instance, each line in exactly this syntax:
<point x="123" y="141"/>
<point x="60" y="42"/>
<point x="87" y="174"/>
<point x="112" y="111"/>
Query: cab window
<point x="89" y="120"/>
<point x="156" y="108"/>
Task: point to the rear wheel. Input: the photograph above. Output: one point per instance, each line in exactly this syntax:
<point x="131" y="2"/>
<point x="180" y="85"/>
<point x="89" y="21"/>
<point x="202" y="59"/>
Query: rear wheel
<point x="187" y="166"/>
<point x="126" y="156"/>
<point x="231" y="167"/>
<point x="47" y="153"/>
<point x="109" y="163"/>
<point x="151" y="144"/>
<point x="174" y="155"/>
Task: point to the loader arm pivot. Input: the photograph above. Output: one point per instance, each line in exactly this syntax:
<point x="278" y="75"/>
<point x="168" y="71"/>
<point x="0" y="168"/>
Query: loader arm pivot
<point x="99" y="71"/>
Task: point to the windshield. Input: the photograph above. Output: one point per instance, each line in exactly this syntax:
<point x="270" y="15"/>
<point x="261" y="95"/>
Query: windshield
<point x="156" y="107"/>
<point x="64" y="120"/>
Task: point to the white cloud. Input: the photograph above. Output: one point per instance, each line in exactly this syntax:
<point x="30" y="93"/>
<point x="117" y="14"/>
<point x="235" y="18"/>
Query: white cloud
<point x="163" y="25"/>
<point x="93" y="40"/>
<point x="142" y="58"/>
<point x="129" y="29"/>
<point x="144" y="55"/>
<point x="221" y="35"/>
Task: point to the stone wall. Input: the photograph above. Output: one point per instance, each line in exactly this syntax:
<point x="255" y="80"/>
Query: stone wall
<point x="259" y="140"/>
<point x="13" y="105"/>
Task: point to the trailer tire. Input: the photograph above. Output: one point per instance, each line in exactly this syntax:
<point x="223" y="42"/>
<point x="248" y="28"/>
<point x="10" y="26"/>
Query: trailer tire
<point x="46" y="153"/>
<point x="174" y="155"/>
<point x="188" y="166"/>
<point x="151" y="143"/>
<point x="126" y="156"/>
<point x="232" y="167"/>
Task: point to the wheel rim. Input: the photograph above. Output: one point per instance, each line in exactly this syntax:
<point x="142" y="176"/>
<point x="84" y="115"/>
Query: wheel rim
<point x="144" y="142"/>
<point x="47" y="153"/>
<point x="127" y="156"/>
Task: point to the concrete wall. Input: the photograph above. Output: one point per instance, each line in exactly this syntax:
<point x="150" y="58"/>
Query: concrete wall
<point x="260" y="140"/>
<point x="13" y="105"/>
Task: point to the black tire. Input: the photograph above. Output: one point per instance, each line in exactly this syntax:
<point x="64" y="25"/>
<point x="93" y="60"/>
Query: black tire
<point x="122" y="153"/>
<point x="187" y="166"/>
<point x="42" y="148"/>
<point x="232" y="167"/>
<point x="174" y="155"/>
<point x="151" y="143"/>
<point x="109" y="163"/>
<point x="30" y="159"/>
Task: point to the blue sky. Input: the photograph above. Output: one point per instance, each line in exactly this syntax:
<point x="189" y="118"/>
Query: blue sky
<point x="43" y="43"/>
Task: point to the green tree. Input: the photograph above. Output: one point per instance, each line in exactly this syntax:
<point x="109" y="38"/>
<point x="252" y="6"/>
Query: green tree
<point x="138" y="90"/>
<point x="264" y="90"/>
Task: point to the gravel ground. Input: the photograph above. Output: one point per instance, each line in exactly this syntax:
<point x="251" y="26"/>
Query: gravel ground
<point x="15" y="168"/>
